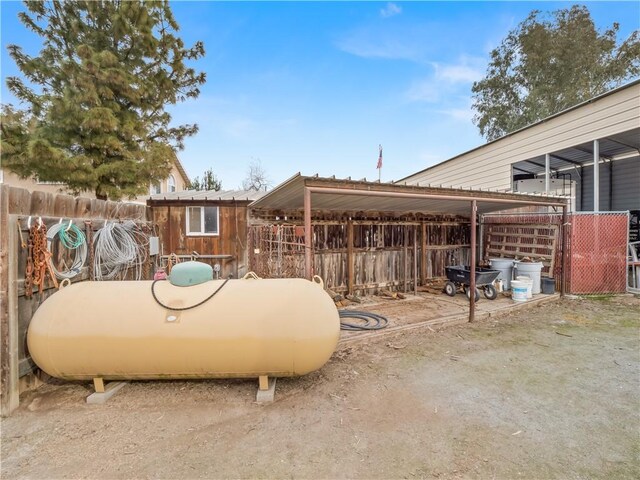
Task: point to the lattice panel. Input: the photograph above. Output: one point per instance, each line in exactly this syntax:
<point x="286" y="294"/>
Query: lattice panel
<point x="537" y="242"/>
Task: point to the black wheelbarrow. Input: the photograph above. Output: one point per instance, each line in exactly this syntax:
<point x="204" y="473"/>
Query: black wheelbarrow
<point x="460" y="278"/>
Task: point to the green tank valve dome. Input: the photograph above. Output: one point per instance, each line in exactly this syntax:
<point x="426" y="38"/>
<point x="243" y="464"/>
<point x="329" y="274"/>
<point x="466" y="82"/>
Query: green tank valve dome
<point x="186" y="274"/>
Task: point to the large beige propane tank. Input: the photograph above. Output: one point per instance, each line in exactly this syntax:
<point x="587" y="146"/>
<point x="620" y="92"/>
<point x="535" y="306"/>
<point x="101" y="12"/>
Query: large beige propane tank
<point x="118" y="331"/>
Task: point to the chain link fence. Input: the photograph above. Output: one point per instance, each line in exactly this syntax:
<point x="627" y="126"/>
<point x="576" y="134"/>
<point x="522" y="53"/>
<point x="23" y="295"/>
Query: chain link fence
<point x="596" y="243"/>
<point x="598" y="252"/>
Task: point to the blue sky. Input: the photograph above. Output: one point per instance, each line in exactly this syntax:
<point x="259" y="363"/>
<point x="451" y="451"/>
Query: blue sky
<point x="316" y="86"/>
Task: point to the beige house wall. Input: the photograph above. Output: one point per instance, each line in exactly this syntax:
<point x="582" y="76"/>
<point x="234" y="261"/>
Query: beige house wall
<point x="489" y="166"/>
<point x="181" y="184"/>
<point x="9" y="178"/>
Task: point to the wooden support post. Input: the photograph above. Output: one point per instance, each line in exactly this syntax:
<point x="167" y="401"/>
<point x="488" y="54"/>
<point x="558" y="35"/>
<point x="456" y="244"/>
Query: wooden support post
<point x="5" y="364"/>
<point x="267" y="390"/>
<point x="350" y="258"/>
<point x="415" y="260"/>
<point x="9" y="245"/>
<point x="14" y="315"/>
<point x="308" y="235"/>
<point x="472" y="273"/>
<point x="406" y="257"/>
<point x="423" y="255"/>
<point x="98" y="385"/>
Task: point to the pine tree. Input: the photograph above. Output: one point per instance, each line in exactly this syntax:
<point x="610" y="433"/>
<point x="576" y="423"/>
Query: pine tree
<point x="105" y="74"/>
<point x="209" y="182"/>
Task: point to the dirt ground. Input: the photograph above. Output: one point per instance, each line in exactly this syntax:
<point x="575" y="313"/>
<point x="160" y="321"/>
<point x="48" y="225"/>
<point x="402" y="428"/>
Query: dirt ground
<point x="548" y="392"/>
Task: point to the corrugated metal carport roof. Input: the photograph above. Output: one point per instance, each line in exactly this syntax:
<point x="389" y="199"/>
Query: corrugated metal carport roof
<point x="330" y="194"/>
<point x="623" y="145"/>
<point x="209" y="195"/>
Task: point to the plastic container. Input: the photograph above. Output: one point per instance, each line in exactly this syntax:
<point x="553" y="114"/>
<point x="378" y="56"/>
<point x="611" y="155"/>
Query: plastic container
<point x="548" y="285"/>
<point x="531" y="270"/>
<point x="505" y="266"/>
<point x="518" y="291"/>
<point x="528" y="282"/>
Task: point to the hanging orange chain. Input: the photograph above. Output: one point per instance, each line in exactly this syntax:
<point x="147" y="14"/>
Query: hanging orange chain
<point x="40" y="259"/>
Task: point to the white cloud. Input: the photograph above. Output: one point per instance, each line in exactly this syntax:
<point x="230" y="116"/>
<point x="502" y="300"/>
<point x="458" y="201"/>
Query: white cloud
<point x="390" y="10"/>
<point x="424" y="91"/>
<point x="461" y="114"/>
<point x="446" y="80"/>
<point x="458" y="73"/>
<point x="367" y="43"/>
<point x="414" y="42"/>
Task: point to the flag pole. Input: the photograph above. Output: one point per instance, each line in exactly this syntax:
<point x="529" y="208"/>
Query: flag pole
<point x="380" y="164"/>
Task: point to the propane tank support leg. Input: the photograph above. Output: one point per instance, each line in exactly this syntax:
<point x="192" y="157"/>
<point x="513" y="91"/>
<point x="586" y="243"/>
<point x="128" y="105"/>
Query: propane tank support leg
<point x="108" y="391"/>
<point x="98" y="385"/>
<point x="266" y="389"/>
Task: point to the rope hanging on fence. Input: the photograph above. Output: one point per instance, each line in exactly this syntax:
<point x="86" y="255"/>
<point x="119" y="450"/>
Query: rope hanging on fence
<point x="117" y="248"/>
<point x="71" y="238"/>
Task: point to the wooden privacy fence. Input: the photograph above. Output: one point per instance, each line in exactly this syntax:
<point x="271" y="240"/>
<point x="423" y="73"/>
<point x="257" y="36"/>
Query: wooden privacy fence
<point x="360" y="256"/>
<point x="17" y="306"/>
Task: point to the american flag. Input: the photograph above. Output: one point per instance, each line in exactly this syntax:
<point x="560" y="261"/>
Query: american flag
<point x="380" y="158"/>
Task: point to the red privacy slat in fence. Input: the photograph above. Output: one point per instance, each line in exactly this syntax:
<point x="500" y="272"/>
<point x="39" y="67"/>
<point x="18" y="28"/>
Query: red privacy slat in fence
<point x="598" y="253"/>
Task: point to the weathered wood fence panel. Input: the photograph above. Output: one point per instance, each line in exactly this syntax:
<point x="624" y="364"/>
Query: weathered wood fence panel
<point x="17" y="309"/>
<point x="361" y="256"/>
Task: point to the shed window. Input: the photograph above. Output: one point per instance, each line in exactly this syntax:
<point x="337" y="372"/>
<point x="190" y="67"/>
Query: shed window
<point x="202" y="220"/>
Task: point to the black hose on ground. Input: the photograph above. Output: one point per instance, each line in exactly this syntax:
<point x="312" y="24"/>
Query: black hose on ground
<point x="362" y="320"/>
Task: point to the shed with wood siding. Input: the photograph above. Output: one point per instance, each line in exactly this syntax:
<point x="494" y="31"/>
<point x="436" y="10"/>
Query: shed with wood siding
<point x="227" y="246"/>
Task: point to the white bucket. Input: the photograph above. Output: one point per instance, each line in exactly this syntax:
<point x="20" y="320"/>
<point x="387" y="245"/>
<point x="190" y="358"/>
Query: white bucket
<point x="518" y="291"/>
<point x="530" y="269"/>
<point x="528" y="282"/>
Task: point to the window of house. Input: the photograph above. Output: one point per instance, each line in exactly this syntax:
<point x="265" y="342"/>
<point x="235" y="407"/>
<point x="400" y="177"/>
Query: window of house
<point x="155" y="188"/>
<point x="171" y="184"/>
<point x="202" y="220"/>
